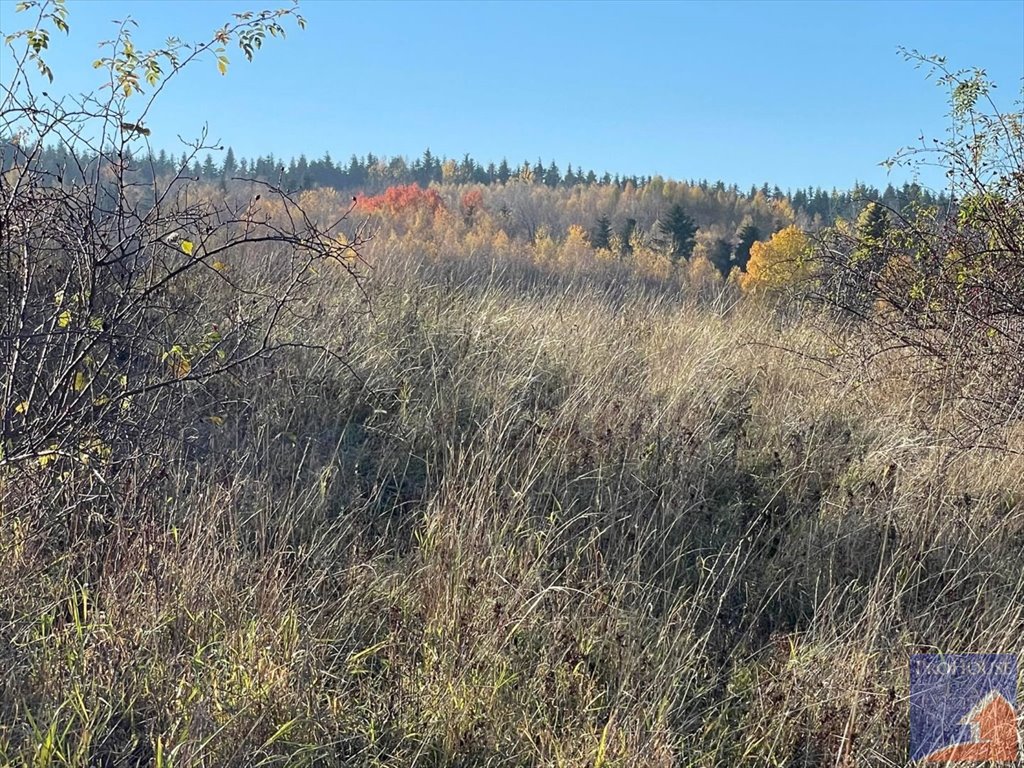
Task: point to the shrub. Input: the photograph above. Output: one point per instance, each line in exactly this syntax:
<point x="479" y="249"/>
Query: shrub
<point x="947" y="285"/>
<point x="126" y="297"/>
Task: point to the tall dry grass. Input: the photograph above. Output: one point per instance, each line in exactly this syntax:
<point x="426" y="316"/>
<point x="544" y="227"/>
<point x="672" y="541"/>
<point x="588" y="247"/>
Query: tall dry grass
<point x="540" y="520"/>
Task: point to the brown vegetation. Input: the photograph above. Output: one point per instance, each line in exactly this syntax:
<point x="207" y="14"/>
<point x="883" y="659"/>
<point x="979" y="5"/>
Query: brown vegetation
<point x="467" y="497"/>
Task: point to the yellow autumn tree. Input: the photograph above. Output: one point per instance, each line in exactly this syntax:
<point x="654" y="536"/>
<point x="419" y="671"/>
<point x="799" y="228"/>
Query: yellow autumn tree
<point x="575" y="250"/>
<point x="702" y="276"/>
<point x="545" y="248"/>
<point x="779" y="262"/>
<point x="501" y="245"/>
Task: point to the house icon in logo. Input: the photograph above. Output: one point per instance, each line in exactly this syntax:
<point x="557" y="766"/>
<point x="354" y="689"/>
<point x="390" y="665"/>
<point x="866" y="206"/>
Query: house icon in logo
<point x="993" y="725"/>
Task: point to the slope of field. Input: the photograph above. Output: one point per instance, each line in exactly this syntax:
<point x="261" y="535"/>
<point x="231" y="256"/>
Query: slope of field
<point x="533" y="519"/>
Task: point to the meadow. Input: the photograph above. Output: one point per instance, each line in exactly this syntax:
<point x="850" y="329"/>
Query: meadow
<point x="535" y="470"/>
<point x="574" y="518"/>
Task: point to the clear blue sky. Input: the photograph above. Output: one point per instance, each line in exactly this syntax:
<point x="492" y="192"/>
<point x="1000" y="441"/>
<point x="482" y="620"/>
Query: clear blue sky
<point x="792" y="93"/>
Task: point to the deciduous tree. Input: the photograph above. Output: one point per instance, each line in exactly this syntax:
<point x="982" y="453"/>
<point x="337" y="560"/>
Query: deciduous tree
<point x="777" y="263"/>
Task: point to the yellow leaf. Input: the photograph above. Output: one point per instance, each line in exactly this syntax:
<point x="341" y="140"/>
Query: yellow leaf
<point x="180" y="367"/>
<point x="217" y="421"/>
<point x="21" y="407"/>
<point x="80" y="381"/>
<point x="220" y="266"/>
<point x="48" y="456"/>
<point x="222" y="65"/>
<point x="187" y="246"/>
<point x="64" y="318"/>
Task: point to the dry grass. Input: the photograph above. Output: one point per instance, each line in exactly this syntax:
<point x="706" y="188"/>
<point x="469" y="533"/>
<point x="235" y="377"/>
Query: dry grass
<point x="575" y="522"/>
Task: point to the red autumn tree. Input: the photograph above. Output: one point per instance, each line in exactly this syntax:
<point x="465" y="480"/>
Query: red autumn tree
<point x="398" y="199"/>
<point x="472" y="201"/>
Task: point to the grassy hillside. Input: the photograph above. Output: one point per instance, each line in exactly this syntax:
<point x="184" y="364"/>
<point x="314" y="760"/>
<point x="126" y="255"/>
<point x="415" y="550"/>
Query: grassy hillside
<point x="579" y="521"/>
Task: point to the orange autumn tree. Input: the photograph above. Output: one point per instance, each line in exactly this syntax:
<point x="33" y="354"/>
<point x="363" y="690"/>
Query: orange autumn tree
<point x="399" y="199"/>
<point x="472" y="201"/>
<point x="780" y="262"/>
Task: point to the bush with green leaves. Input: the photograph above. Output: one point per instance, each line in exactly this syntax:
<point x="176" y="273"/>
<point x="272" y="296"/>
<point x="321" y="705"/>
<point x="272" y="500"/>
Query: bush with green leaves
<point x="124" y="296"/>
<point x="946" y="285"/>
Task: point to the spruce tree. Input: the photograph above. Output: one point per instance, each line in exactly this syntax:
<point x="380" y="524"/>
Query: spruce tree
<point x="626" y="235"/>
<point x="209" y="167"/>
<point x="552" y="176"/>
<point x="679" y="233"/>
<point x="747" y="236"/>
<point x="601" y="234"/>
<point x="720" y="256"/>
<point x="871" y="226"/>
<point x="230" y="166"/>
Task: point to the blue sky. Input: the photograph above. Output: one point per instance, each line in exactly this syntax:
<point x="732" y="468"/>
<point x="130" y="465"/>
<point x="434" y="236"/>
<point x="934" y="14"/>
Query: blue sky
<point x="792" y="93"/>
